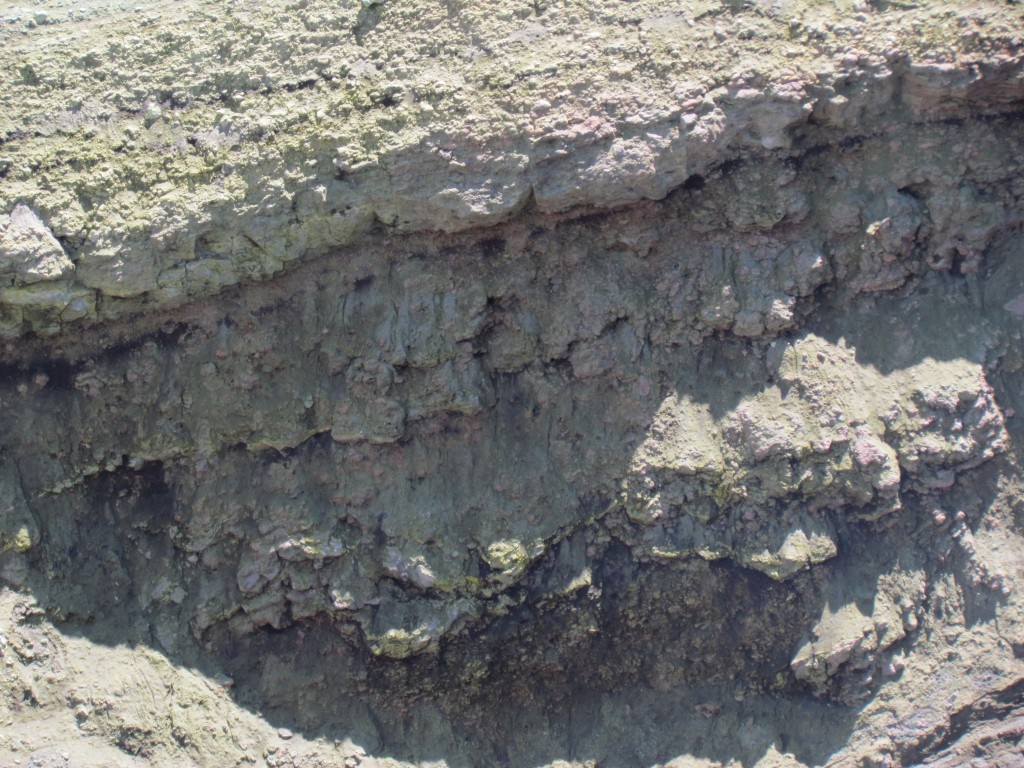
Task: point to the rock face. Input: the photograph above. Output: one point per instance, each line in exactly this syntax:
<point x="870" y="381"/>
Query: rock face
<point x="553" y="383"/>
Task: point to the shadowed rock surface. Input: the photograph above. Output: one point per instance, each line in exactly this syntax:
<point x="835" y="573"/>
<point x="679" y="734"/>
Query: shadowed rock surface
<point x="512" y="384"/>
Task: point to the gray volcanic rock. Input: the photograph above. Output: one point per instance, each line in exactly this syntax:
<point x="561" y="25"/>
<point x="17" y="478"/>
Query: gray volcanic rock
<point x="551" y="383"/>
<point x="30" y="250"/>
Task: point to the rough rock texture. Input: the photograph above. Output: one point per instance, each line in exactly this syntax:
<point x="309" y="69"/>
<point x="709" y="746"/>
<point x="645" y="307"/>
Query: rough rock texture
<point x="554" y="383"/>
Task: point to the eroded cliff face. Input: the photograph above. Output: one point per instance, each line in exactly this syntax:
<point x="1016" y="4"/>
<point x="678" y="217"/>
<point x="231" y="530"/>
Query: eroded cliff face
<point x="512" y="384"/>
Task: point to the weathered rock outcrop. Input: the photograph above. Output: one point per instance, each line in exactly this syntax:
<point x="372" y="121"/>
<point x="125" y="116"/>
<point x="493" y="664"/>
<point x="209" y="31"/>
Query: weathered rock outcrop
<point x="512" y="384"/>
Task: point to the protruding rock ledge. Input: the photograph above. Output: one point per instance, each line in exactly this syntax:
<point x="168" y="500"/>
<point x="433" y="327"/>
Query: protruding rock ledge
<point x="165" y="194"/>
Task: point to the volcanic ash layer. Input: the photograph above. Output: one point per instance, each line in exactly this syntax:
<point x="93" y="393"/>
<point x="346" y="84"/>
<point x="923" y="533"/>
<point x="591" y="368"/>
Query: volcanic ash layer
<point x="566" y="384"/>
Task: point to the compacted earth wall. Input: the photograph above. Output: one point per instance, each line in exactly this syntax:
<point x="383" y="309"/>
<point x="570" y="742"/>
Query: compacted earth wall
<point x="512" y="383"/>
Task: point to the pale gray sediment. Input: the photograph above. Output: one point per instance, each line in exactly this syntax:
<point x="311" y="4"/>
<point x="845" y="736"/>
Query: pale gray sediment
<point x="555" y="383"/>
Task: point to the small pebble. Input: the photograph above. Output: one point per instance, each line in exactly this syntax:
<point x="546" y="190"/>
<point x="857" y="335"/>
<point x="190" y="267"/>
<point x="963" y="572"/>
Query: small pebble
<point x="284" y="733"/>
<point x="226" y="683"/>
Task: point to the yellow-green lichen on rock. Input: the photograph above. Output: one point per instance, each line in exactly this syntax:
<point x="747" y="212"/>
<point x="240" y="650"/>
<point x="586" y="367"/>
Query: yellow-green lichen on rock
<point x="793" y="549"/>
<point x="508" y="558"/>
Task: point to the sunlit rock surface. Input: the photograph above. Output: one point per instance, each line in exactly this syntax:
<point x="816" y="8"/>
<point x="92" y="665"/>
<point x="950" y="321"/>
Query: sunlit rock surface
<point x="511" y="384"/>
